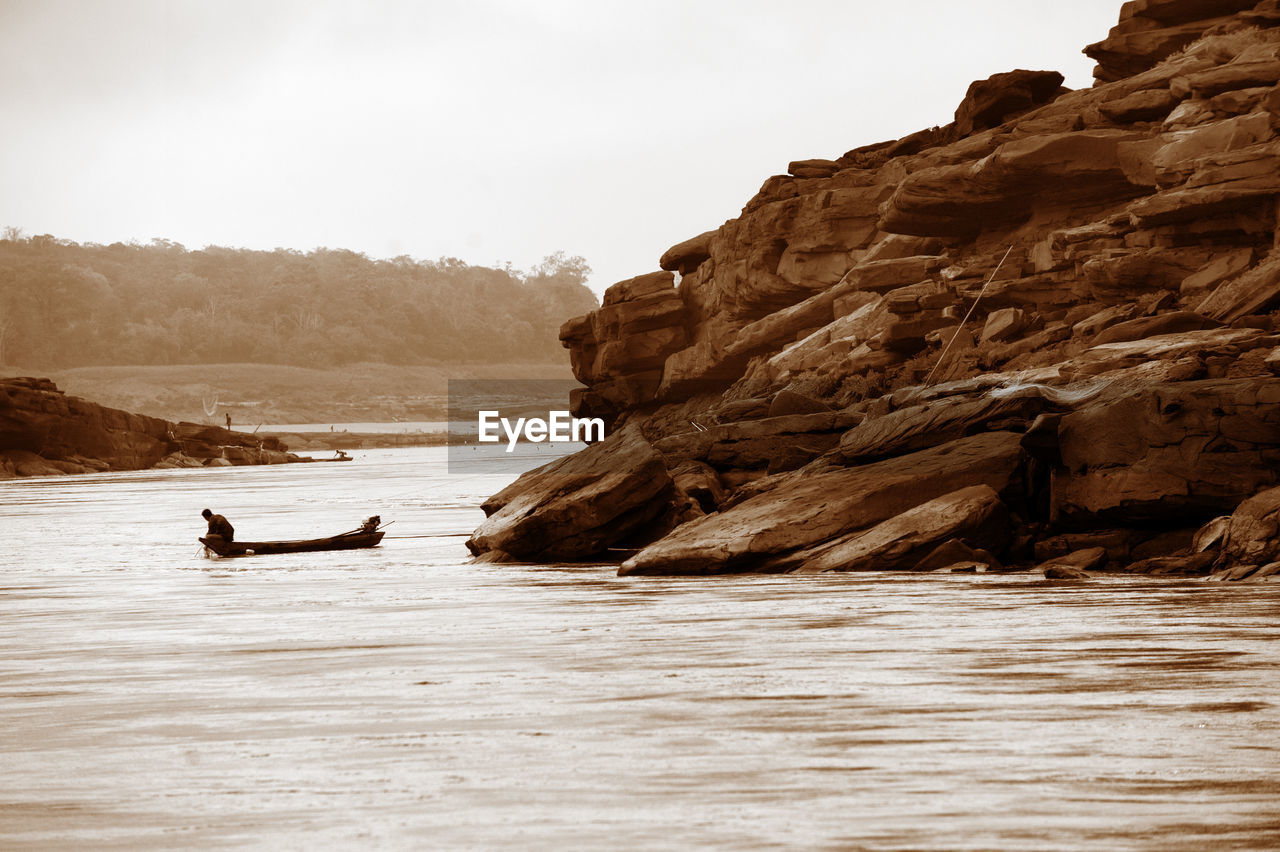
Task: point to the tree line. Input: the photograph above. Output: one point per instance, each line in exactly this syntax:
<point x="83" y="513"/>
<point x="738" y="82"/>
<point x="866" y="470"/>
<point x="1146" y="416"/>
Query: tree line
<point x="65" y="304"/>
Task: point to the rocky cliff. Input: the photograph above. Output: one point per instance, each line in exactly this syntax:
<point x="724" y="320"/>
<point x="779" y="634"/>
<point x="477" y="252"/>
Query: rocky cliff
<point x="45" y="432"/>
<point x="1044" y="334"/>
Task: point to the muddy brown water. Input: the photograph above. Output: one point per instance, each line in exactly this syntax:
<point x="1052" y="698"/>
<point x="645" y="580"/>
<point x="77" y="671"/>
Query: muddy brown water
<point x="399" y="698"/>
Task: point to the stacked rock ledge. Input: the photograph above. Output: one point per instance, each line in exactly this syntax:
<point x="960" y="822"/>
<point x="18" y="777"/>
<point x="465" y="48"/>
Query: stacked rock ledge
<point x="1042" y="337"/>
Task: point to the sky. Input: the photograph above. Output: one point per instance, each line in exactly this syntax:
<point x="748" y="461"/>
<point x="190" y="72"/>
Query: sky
<point x="493" y="131"/>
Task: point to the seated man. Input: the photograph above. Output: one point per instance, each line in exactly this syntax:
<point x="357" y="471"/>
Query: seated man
<point x="219" y="525"/>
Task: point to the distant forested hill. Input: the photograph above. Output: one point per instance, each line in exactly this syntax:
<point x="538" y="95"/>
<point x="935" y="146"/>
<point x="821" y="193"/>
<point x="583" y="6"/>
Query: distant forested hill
<point x="64" y="304"/>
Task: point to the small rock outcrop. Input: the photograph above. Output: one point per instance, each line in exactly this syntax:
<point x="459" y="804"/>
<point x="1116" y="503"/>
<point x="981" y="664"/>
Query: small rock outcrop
<point x="44" y="432"/>
<point x="1249" y="540"/>
<point x="577" y="506"/>
<point x="1041" y="332"/>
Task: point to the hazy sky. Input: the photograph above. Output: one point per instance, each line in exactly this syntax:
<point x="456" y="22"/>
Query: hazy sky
<point x="488" y="130"/>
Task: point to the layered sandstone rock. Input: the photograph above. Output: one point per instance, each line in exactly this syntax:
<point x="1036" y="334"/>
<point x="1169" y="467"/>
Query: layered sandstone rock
<point x="44" y="432"/>
<point x="1250" y="542"/>
<point x="1169" y="452"/>
<point x="1089" y="280"/>
<point x="579" y="506"/>
<point x="794" y="512"/>
<point x="974" y="515"/>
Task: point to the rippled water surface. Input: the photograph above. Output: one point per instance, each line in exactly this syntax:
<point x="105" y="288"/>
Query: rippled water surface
<point x="401" y="698"/>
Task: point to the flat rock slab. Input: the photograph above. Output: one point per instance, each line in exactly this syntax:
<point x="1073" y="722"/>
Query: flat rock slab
<point x="1249" y="293"/>
<point x="915" y="427"/>
<point x="804" y="511"/>
<point x="1065" y="572"/>
<point x="1122" y="355"/>
<point x="975" y="514"/>
<point x="1066" y="566"/>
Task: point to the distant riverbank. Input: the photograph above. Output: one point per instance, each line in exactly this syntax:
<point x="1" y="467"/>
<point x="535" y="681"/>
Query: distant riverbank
<point x="258" y="395"/>
<point x="308" y="438"/>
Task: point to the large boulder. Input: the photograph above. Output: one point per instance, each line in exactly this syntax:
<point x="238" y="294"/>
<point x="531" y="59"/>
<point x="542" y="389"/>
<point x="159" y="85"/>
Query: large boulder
<point x="1173" y="322"/>
<point x="687" y="256"/>
<point x="1231" y="168"/>
<point x="1073" y="565"/>
<point x="771" y="333"/>
<point x="802" y="511"/>
<point x="578" y="506"/>
<point x="1168" y="453"/>
<point x="838" y="348"/>
<point x="619" y="349"/>
<point x="707" y="365"/>
<point x="1234" y="76"/>
<point x="1118" y="276"/>
<point x="1143" y="105"/>
<point x="1249" y="293"/>
<point x="989" y="102"/>
<point x="960" y="199"/>
<point x="1253" y="531"/>
<point x="1151" y="30"/>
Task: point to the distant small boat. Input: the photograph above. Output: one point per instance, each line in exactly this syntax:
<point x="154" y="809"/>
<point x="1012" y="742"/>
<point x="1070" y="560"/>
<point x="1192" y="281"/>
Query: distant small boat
<point x="345" y="541"/>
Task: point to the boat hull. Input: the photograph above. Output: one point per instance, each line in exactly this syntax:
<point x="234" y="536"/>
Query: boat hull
<point x="346" y="541"/>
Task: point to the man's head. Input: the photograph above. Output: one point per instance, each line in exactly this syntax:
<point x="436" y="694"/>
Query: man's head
<point x="206" y="514"/>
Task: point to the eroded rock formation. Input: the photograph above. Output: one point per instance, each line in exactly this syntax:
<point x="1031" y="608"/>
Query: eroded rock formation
<point x="45" y="432"/>
<point x="1043" y="336"/>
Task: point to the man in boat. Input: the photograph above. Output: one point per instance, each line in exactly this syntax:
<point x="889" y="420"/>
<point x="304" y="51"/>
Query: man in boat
<point x="219" y="525"/>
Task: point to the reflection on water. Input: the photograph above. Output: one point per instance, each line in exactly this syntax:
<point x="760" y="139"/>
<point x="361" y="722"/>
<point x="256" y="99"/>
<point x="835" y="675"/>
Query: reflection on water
<point x="400" y="698"/>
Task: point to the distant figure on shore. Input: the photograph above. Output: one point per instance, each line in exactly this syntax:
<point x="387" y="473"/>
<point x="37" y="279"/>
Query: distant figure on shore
<point x="219" y="525"/>
<point x="228" y="420"/>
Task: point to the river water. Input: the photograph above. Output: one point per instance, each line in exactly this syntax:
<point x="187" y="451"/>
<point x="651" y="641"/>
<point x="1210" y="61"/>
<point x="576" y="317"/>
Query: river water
<point x="400" y="698"/>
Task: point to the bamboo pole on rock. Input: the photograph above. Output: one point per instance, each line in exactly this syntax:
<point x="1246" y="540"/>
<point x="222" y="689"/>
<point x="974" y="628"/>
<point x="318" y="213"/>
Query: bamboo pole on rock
<point x="965" y="321"/>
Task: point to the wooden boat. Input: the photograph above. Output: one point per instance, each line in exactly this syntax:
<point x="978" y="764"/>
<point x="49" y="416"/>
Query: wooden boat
<point x="345" y="541"/>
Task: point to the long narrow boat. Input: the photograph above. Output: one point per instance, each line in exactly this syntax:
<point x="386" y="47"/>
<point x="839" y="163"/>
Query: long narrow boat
<point x="344" y="541"/>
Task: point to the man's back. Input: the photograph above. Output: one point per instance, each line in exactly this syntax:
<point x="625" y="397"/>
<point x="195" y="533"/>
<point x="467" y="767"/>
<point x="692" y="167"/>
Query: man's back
<point x="218" y="525"/>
